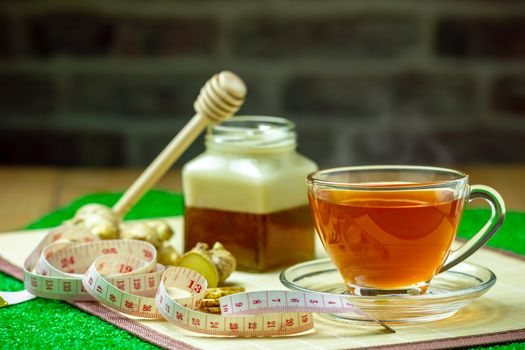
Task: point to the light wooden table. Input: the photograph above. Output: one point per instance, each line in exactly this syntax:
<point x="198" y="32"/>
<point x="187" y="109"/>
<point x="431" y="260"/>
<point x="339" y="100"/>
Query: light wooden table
<point x="27" y="193"/>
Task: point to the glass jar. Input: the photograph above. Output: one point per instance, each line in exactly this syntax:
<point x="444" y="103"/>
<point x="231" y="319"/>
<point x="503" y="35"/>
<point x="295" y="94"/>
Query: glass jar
<point x="248" y="191"/>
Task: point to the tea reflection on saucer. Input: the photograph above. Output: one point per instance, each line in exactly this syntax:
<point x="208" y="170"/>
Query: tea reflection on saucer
<point x="448" y="292"/>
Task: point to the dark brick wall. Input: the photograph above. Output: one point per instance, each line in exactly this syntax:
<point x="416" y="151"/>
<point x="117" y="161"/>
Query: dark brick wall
<point x="342" y="36"/>
<point x="95" y="83"/>
<point x="24" y="93"/>
<point x="502" y="38"/>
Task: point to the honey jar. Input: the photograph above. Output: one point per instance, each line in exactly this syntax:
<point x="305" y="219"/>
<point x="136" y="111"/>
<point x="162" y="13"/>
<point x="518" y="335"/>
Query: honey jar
<point x="248" y="191"/>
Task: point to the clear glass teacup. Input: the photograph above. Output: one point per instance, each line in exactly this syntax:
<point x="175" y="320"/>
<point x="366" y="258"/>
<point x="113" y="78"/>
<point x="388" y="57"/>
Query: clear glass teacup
<point x="389" y="229"/>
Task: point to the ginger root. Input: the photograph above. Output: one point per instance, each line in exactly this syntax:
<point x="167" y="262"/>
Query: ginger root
<point x="223" y="260"/>
<point x="101" y="222"/>
<point x="98" y="220"/>
<point x="139" y="231"/>
<point x="156" y="232"/>
<point x="214" y="264"/>
<point x="167" y="255"/>
<point x="162" y="229"/>
<point x="153" y="231"/>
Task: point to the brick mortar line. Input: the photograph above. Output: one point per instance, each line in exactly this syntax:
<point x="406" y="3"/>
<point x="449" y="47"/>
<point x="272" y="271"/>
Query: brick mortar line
<point x="273" y="92"/>
<point x="482" y="100"/>
<point x="224" y="45"/>
<point x="342" y="145"/>
<point x="342" y="123"/>
<point x="133" y="150"/>
<point x="63" y="98"/>
<point x="358" y="67"/>
<point x="101" y="124"/>
<point x="338" y="123"/>
<point x="165" y="8"/>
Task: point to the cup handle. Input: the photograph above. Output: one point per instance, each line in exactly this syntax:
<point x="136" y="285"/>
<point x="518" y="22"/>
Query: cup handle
<point x="497" y="207"/>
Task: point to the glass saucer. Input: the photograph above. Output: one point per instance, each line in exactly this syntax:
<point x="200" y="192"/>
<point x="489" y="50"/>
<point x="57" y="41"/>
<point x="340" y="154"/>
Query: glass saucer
<point x="448" y="292"/>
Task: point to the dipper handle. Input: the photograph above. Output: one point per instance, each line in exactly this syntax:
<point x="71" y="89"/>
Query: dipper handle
<point x="218" y="100"/>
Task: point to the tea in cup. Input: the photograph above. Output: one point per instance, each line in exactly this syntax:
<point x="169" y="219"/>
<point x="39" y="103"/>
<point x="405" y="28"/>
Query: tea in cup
<point x="389" y="229"/>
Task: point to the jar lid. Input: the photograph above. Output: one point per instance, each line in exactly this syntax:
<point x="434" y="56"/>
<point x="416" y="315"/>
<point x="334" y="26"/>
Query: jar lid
<point x="253" y="133"/>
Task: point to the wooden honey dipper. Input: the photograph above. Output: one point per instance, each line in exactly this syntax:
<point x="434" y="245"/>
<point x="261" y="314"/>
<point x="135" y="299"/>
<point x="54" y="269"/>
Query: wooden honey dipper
<point x="218" y="100"/>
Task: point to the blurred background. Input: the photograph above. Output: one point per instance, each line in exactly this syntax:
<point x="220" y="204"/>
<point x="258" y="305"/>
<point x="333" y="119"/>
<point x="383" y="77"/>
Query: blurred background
<point x="109" y="83"/>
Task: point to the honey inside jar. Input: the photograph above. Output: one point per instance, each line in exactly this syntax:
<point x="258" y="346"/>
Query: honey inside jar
<point x="248" y="191"/>
<point x="258" y="241"/>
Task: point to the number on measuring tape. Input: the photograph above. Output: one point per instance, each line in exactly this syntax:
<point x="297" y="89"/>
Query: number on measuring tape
<point x="296" y="299"/>
<point x="315" y="299"/>
<point x="257" y="300"/>
<point x="332" y="302"/>
<point x="196" y="287"/>
<point x="147" y="253"/>
<point x="67" y="261"/>
<point x="66" y="287"/>
<point x="125" y="268"/>
<point x="277" y="299"/>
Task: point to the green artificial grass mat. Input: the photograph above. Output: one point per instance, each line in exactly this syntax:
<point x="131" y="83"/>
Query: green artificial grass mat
<point x="49" y="324"/>
<point x="154" y="204"/>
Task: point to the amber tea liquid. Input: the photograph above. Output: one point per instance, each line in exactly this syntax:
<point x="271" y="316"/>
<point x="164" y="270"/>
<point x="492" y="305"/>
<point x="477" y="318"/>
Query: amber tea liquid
<point x="387" y="239"/>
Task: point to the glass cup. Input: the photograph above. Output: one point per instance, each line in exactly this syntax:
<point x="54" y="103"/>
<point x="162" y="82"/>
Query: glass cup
<point x="389" y="229"/>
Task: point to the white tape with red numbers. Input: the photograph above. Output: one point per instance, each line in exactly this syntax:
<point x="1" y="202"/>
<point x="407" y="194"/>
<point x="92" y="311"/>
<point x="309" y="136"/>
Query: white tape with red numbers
<point x="124" y="275"/>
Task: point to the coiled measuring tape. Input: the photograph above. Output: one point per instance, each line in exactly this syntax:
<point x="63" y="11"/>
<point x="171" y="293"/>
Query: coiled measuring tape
<point x="124" y="275"/>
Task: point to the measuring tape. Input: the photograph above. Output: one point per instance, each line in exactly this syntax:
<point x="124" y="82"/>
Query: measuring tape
<point x="124" y="276"/>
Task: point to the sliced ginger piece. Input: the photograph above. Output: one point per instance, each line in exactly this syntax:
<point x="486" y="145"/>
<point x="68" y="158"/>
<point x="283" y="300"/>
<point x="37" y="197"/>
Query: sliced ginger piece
<point x="199" y="259"/>
<point x="216" y="293"/>
<point x="210" y="302"/>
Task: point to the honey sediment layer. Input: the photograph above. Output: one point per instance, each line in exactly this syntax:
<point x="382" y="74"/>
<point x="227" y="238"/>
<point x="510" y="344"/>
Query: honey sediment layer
<point x="258" y="241"/>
